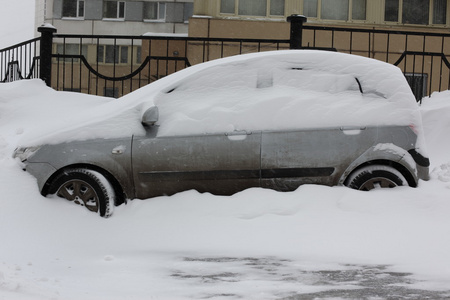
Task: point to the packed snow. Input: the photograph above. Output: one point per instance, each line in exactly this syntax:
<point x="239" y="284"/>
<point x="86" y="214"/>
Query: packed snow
<point x="257" y="244"/>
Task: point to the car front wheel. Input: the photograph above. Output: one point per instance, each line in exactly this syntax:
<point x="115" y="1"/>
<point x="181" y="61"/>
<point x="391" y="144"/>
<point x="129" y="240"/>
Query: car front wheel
<point x="375" y="176"/>
<point x="87" y="188"/>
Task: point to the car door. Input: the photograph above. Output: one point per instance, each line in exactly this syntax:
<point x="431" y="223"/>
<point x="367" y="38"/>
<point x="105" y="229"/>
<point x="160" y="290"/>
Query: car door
<point x="222" y="163"/>
<point x="292" y="158"/>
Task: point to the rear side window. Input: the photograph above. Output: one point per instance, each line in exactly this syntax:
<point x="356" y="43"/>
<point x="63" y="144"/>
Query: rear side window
<point x="313" y="80"/>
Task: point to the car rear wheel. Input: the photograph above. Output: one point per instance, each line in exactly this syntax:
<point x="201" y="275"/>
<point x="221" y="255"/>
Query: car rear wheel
<point x="375" y="176"/>
<point x="86" y="188"/>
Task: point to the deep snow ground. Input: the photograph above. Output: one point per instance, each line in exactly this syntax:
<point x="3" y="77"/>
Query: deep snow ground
<point x="257" y="244"/>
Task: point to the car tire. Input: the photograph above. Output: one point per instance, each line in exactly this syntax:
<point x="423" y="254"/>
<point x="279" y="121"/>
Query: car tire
<point x="87" y="188"/>
<point x="374" y="176"/>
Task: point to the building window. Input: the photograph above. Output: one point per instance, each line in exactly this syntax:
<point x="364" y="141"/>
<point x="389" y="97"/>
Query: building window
<point x="114" y="9"/>
<point x="110" y="54"/>
<point x="138" y="55"/>
<point x="416" y="11"/>
<point x="260" y="8"/>
<point x="111" y="92"/>
<point x="335" y="9"/>
<point x="439" y="11"/>
<point x="252" y="8"/>
<point x="73" y="9"/>
<point x="277" y="7"/>
<point x="391" y="8"/>
<point x="71" y="49"/>
<point x="310" y="8"/>
<point x="418" y="84"/>
<point x="69" y="89"/>
<point x="227" y="6"/>
<point x="155" y="11"/>
<point x="188" y="11"/>
<point x="358" y="9"/>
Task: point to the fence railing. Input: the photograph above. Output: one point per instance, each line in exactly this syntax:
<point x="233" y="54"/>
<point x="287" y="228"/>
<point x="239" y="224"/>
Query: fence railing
<point x="116" y="65"/>
<point x="20" y="61"/>
<point x="422" y="56"/>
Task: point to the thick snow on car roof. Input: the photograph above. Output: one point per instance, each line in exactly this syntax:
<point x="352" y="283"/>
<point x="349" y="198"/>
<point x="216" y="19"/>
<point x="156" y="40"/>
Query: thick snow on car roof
<point x="268" y="91"/>
<point x="285" y="90"/>
<point x="374" y="75"/>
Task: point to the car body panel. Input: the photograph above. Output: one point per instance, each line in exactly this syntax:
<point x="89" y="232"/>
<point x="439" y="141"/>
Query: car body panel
<point x="110" y="155"/>
<point x="318" y="155"/>
<point x="217" y="163"/>
<point x="42" y="171"/>
<point x="149" y="166"/>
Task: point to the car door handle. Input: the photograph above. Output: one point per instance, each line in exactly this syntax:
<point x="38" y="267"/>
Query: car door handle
<point x="238" y="135"/>
<point x="238" y="132"/>
<point x="118" y="150"/>
<point x="352" y="130"/>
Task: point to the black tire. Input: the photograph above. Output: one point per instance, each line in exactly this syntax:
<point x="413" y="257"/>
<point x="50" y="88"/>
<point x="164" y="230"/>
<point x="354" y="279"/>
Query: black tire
<point x="373" y="176"/>
<point x="87" y="188"/>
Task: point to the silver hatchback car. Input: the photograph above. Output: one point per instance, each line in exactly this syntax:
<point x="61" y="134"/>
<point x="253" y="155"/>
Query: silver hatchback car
<point x="272" y="120"/>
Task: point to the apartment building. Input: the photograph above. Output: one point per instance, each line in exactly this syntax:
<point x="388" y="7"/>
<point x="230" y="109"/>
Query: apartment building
<point x="117" y="17"/>
<point x="267" y="18"/>
<point x="110" y="57"/>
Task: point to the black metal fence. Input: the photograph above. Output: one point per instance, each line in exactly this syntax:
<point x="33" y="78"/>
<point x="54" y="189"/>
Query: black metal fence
<point x="422" y="56"/>
<point x="20" y="61"/>
<point x="116" y="65"/>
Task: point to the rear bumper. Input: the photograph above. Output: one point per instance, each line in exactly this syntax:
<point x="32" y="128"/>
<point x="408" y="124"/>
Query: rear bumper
<point x="423" y="172"/>
<point x="423" y="164"/>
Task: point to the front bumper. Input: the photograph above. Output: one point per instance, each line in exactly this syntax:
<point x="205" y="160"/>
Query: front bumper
<point x="42" y="172"/>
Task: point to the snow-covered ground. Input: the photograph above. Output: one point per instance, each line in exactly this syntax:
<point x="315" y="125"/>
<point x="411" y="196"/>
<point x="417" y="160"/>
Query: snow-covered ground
<point x="257" y="244"/>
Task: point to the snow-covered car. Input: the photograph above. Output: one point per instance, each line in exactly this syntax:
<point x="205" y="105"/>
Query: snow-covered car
<point x="273" y="120"/>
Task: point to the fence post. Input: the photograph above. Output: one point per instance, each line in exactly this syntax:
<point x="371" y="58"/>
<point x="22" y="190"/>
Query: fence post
<point x="296" y="30"/>
<point x="45" y="51"/>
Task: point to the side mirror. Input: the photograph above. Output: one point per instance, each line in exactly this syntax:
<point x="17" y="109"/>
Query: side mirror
<point x="150" y="116"/>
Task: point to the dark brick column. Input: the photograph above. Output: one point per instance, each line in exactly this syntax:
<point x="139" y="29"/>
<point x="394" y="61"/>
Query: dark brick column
<point x="296" y="30"/>
<point x="45" y="52"/>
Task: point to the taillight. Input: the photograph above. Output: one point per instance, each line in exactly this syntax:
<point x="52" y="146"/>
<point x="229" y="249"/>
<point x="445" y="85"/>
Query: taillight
<point x="413" y="128"/>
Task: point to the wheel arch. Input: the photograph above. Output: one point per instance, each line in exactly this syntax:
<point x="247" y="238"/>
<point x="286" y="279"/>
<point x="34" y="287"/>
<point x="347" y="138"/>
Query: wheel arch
<point x="386" y="155"/>
<point x="412" y="182"/>
<point x="118" y="189"/>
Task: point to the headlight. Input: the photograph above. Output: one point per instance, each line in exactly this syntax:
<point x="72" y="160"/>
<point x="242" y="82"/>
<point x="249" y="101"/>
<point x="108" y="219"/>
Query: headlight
<point x="23" y="153"/>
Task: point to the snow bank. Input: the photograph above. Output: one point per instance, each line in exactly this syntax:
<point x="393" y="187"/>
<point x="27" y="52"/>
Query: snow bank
<point x="38" y="114"/>
<point x="436" y="111"/>
<point x="257" y="244"/>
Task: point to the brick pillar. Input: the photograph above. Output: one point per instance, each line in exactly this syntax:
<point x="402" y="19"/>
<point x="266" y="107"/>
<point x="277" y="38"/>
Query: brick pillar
<point x="45" y="70"/>
<point x="296" y="30"/>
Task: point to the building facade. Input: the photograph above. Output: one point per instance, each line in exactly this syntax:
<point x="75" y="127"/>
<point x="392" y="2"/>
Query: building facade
<point x="117" y="17"/>
<point x="231" y="18"/>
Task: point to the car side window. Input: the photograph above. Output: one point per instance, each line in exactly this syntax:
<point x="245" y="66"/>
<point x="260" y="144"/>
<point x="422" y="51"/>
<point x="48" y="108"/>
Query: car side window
<point x="223" y="77"/>
<point x="315" y="80"/>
